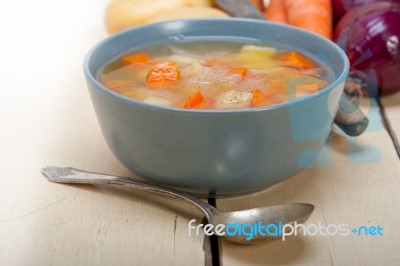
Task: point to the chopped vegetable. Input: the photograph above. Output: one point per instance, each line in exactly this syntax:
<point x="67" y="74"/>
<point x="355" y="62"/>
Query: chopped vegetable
<point x="312" y="15"/>
<point x="214" y="62"/>
<point x="163" y="74"/>
<point x="253" y="56"/>
<point x="191" y="69"/>
<point x="160" y="101"/>
<point x="255" y="51"/>
<point x="262" y="50"/>
<point x="295" y="59"/>
<point x="306" y="89"/>
<point x="136" y="58"/>
<point x="182" y="59"/>
<point x="258" y="4"/>
<point x="276" y="11"/>
<point x="193" y="100"/>
<point x="213" y="75"/>
<point x="277" y="92"/>
<point x="259" y="99"/>
<point x="238" y="71"/>
<point x="252" y="59"/>
<point x="137" y="93"/>
<point x="233" y="99"/>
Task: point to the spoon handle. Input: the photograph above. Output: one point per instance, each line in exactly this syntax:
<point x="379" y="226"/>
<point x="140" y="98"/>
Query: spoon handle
<point x="71" y="175"/>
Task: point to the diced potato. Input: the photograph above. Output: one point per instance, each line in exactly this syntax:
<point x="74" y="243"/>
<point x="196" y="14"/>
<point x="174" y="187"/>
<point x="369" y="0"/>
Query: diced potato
<point x="137" y="94"/>
<point x="157" y="100"/>
<point x="254" y="56"/>
<point x="280" y="72"/>
<point x="183" y="59"/>
<point x="233" y="100"/>
<point x="316" y="72"/>
<point x="142" y="74"/>
<point x="192" y="69"/>
<point x="251" y="59"/>
<point x="307" y="89"/>
<point x="262" y="50"/>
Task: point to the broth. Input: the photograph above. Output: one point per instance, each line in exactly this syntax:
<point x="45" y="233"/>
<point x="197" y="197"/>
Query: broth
<point x="218" y="75"/>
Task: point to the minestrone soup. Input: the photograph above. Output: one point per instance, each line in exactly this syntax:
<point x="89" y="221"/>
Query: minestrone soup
<point x="218" y="75"/>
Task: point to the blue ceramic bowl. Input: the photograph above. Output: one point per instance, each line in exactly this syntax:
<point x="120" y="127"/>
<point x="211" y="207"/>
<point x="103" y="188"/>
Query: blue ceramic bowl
<point x="216" y="152"/>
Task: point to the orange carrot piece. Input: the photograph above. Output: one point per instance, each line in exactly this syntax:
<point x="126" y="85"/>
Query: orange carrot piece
<point x="296" y="60"/>
<point x="238" y="71"/>
<point x="313" y="15"/>
<point x="306" y="89"/>
<point x="277" y="90"/>
<point x="162" y="74"/>
<point x="136" y="58"/>
<point x="259" y="4"/>
<point x="193" y="100"/>
<point x="214" y="62"/>
<point x="276" y="11"/>
<point x="260" y="99"/>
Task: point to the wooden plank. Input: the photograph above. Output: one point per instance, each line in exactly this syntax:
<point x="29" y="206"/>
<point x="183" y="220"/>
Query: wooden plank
<point x="391" y="111"/>
<point x="47" y="119"/>
<point x="360" y="188"/>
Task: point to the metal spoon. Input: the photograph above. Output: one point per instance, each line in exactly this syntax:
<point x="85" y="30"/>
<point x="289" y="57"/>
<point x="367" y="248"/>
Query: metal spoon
<point x="285" y="213"/>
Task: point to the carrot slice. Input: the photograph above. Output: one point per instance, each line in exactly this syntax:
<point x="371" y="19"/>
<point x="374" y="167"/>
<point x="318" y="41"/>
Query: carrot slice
<point x="136" y="58"/>
<point x="260" y="99"/>
<point x="163" y="74"/>
<point x="276" y="11"/>
<point x="277" y="91"/>
<point x="313" y="15"/>
<point x="258" y="4"/>
<point x="214" y="62"/>
<point x="193" y="100"/>
<point x="306" y="89"/>
<point x="238" y="71"/>
<point x="296" y="60"/>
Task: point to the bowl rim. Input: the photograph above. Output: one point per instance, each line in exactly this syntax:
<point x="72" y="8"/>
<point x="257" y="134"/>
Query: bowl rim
<point x="338" y="80"/>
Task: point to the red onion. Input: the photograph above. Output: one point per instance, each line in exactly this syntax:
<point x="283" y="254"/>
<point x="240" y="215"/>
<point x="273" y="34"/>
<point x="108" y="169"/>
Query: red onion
<point x="341" y="7"/>
<point x="370" y="36"/>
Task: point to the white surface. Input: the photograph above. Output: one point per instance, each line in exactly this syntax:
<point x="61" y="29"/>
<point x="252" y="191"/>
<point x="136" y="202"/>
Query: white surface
<point x="46" y="118"/>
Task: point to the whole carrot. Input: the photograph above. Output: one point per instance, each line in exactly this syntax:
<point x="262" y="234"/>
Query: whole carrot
<point x="259" y="4"/>
<point x="276" y="11"/>
<point x="313" y="15"/>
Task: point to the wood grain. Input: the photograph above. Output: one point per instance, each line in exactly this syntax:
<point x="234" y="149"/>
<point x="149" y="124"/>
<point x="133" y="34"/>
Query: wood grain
<point x="359" y="188"/>
<point x="47" y="119"/>
<point x="391" y="111"/>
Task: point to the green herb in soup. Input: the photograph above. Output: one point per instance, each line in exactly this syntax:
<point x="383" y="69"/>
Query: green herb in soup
<point x="214" y="75"/>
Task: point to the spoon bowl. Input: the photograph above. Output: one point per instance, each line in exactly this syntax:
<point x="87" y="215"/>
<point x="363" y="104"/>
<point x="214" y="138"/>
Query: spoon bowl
<point x="276" y="216"/>
<point x="244" y="222"/>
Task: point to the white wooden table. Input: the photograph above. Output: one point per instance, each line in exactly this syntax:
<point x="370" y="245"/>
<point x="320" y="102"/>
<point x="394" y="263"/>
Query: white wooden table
<point x="46" y="118"/>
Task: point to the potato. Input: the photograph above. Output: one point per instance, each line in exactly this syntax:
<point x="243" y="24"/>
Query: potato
<point x="233" y="100"/>
<point x="122" y="14"/>
<point x="192" y="12"/>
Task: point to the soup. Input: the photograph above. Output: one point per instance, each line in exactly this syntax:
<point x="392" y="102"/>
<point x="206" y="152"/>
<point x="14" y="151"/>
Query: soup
<point x="214" y="75"/>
